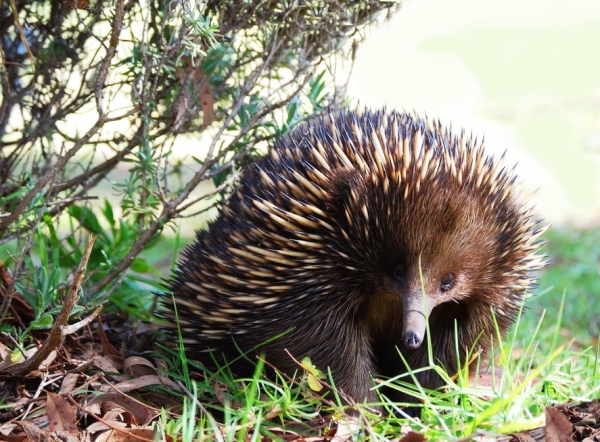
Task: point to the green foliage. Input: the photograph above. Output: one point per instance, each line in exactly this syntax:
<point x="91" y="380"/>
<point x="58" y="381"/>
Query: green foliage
<point x="114" y="239"/>
<point x="98" y="101"/>
<point x="55" y="258"/>
<point x="43" y="294"/>
<point x="44" y="289"/>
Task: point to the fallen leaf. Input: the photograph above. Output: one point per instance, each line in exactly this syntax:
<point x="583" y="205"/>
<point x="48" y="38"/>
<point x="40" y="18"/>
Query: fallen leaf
<point x="347" y="429"/>
<point x="35" y="434"/>
<point x="69" y="383"/>
<point x="413" y="436"/>
<point x="105" y="364"/>
<point x="109" y="349"/>
<point x="523" y="437"/>
<point x="5" y="352"/>
<point x="558" y="428"/>
<point x="220" y="391"/>
<point x="122" y="433"/>
<point x="144" y="381"/>
<point x="141" y="413"/>
<point x="32" y="431"/>
<point x="46" y="363"/>
<point x="138" y="366"/>
<point x="61" y="416"/>
<point x="7" y="428"/>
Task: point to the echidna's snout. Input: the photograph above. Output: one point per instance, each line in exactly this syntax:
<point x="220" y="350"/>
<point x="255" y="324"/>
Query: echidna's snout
<point x="416" y="308"/>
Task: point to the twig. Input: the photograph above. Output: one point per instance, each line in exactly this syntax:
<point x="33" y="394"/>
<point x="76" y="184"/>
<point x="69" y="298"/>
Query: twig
<point x="15" y="12"/>
<point x="110" y="53"/>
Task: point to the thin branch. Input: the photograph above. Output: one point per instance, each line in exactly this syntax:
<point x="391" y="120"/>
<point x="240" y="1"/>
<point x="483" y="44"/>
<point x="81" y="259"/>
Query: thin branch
<point x="110" y="53"/>
<point x="15" y="12"/>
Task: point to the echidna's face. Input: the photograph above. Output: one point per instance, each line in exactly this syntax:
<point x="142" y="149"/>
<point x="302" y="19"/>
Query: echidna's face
<point x="439" y="244"/>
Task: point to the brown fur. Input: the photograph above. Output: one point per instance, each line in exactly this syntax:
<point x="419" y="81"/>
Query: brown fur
<point x="325" y="237"/>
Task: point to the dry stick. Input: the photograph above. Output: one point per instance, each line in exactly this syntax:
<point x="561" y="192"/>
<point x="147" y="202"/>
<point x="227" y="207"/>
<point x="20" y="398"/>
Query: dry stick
<point x="110" y="53"/>
<point x="13" y="7"/>
<point x="60" y="328"/>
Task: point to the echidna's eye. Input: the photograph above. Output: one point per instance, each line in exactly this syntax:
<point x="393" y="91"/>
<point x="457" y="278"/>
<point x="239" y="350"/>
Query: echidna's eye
<point x="398" y="272"/>
<point x="447" y="282"/>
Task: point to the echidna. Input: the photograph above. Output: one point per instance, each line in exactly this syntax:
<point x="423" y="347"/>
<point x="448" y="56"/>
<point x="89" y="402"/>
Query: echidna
<point x="345" y="239"/>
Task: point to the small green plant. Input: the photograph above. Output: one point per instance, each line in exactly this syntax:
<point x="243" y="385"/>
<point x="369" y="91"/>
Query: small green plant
<point x="44" y="289"/>
<point x="115" y="237"/>
<point x="41" y="296"/>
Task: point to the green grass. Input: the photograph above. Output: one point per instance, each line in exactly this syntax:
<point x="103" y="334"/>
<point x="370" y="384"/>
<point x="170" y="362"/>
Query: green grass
<point x="574" y="273"/>
<point x="246" y="409"/>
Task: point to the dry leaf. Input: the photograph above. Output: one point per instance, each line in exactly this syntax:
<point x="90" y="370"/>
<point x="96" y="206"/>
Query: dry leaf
<point x="558" y="427"/>
<point x="413" y="436"/>
<point x="61" y="416"/>
<point x="7" y="428"/>
<point x="138" y="366"/>
<point x="194" y="84"/>
<point x="144" y="381"/>
<point x="32" y="431"/>
<point x="347" y="429"/>
<point x="129" y="435"/>
<point x="120" y="431"/>
<point x="37" y="435"/>
<point x="105" y="364"/>
<point x="207" y="104"/>
<point x="69" y="383"/>
<point x="141" y="413"/>
<point x="523" y="437"/>
<point x="109" y="349"/>
<point x="46" y="363"/>
<point x="5" y="352"/>
<point x="77" y="4"/>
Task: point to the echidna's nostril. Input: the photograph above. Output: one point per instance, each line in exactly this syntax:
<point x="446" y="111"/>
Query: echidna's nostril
<point x="412" y="340"/>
